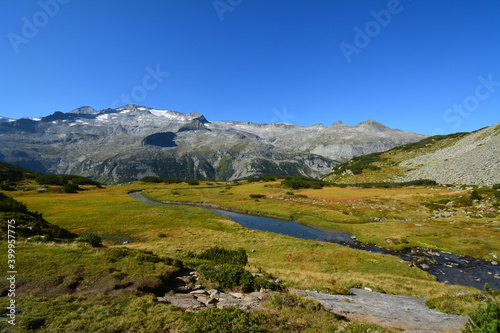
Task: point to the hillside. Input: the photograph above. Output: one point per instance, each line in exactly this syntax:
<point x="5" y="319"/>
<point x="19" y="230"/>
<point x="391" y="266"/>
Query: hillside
<point x="460" y="158"/>
<point x="131" y="142"/>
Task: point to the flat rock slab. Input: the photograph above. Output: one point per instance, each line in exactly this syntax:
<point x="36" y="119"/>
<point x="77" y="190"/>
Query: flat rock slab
<point x="181" y="300"/>
<point x="217" y="299"/>
<point x="406" y="313"/>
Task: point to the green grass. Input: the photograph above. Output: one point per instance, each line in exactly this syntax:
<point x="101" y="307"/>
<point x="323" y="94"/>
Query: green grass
<point x="58" y="269"/>
<point x="367" y="213"/>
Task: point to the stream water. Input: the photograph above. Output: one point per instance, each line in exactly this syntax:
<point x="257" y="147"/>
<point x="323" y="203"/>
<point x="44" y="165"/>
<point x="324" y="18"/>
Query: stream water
<point x="447" y="267"/>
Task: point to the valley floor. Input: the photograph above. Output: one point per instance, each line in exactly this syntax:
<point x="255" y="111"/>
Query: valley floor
<point x="434" y="218"/>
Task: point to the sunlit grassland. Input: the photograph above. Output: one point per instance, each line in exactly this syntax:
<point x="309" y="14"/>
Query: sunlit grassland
<point x="52" y="269"/>
<point x="175" y="230"/>
<point x="394" y="218"/>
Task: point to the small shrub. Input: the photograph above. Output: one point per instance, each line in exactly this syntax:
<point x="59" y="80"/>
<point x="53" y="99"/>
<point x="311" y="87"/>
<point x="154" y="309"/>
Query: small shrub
<point x="257" y="196"/>
<point x="296" y="183"/>
<point x="485" y="319"/>
<point x="71" y="188"/>
<point x="162" y="235"/>
<point x="474" y="195"/>
<point x="220" y="255"/>
<point x="91" y="238"/>
<point x="228" y="276"/>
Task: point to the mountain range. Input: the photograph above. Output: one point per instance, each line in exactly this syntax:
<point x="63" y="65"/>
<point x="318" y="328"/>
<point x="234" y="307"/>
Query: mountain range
<point x="131" y="142"/>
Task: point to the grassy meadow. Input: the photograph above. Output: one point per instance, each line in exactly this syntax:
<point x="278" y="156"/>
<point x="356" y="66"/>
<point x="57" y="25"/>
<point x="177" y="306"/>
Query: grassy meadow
<point x="390" y="217"/>
<point x="393" y="218"/>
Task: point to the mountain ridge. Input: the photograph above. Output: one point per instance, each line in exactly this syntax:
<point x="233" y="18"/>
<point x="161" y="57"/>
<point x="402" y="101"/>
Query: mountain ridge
<point x="132" y="141"/>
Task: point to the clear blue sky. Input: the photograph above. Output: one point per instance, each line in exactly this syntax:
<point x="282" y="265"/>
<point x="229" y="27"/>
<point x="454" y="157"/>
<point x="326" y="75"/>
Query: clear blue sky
<point x="427" y="66"/>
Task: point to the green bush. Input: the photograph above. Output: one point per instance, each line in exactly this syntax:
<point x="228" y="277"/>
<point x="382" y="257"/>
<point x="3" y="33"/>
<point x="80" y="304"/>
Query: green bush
<point x="91" y="238"/>
<point x="228" y="276"/>
<point x="9" y="204"/>
<point x="474" y="195"/>
<point x="61" y="180"/>
<point x="231" y="277"/>
<point x="485" y="319"/>
<point x="152" y="179"/>
<point x="296" y="183"/>
<point x="71" y="188"/>
<point x="220" y="255"/>
<point x="357" y="164"/>
<point x="257" y="196"/>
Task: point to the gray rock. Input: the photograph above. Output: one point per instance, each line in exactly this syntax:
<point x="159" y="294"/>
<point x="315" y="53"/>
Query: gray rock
<point x="181" y="300"/>
<point x="405" y="313"/>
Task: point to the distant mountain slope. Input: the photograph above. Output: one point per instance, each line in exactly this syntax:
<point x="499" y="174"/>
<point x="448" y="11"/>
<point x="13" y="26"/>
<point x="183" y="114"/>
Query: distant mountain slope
<point x="131" y="142"/>
<point x="460" y="158"/>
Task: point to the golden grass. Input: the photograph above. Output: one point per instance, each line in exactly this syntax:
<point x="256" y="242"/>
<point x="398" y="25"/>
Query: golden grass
<point x="299" y="263"/>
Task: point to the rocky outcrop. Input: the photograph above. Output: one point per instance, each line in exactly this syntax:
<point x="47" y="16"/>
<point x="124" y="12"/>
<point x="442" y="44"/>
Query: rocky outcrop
<point x="406" y="313"/>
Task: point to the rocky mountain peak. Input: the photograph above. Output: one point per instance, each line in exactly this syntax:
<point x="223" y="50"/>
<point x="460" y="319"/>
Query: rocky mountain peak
<point x="372" y="125"/>
<point x="84" y="110"/>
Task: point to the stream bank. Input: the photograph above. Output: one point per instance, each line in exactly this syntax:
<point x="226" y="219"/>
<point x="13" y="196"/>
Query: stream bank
<point x="447" y="267"/>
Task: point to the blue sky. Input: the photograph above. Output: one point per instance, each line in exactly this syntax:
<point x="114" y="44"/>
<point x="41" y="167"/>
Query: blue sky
<point x="426" y="66"/>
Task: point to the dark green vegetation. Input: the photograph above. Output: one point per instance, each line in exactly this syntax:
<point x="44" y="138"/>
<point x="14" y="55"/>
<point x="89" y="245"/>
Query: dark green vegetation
<point x="153" y="179"/>
<point x="13" y="177"/>
<point x="226" y="269"/>
<point x="10" y="174"/>
<point x="63" y="180"/>
<point x="296" y="183"/>
<point x="219" y="256"/>
<point x="486" y="318"/>
<point x="357" y="164"/>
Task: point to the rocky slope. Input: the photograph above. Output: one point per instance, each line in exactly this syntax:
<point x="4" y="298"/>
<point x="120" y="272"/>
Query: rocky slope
<point x="460" y="158"/>
<point x="131" y="142"/>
